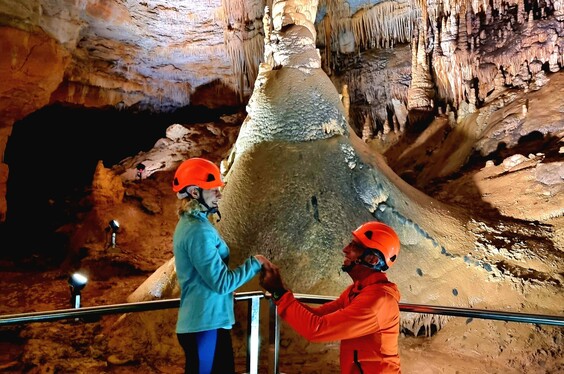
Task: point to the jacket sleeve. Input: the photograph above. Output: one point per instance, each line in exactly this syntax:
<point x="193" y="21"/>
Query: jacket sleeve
<point x="356" y="319"/>
<point x="213" y="270"/>
<point x="326" y="308"/>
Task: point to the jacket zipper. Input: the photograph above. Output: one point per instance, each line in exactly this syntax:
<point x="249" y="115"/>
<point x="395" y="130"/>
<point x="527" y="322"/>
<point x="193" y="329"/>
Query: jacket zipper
<point x="357" y="363"/>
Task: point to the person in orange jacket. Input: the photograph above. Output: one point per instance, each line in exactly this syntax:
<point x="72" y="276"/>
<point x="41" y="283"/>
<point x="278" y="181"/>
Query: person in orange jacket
<point x="365" y="317"/>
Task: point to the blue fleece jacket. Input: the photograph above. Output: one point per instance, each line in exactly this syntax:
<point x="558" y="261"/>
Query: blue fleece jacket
<point x="206" y="282"/>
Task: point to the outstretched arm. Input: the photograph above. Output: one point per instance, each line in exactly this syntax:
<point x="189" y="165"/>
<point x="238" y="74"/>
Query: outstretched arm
<point x="361" y="317"/>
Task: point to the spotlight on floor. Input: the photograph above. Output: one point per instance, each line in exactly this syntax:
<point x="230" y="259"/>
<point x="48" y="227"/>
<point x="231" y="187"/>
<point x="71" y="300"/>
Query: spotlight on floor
<point x="113" y="227"/>
<point x="77" y="282"/>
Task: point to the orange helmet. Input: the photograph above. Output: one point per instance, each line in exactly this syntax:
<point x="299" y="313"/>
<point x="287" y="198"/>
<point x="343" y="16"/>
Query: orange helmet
<point x="380" y="238"/>
<point x="197" y="172"/>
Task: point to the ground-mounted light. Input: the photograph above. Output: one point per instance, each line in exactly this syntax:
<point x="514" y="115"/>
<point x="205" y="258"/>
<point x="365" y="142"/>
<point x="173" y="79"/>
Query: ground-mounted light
<point x="77" y="282"/>
<point x="113" y="226"/>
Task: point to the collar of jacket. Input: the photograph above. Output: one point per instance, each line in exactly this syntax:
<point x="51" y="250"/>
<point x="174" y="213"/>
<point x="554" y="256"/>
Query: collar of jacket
<point x="194" y="208"/>
<point x="376" y="277"/>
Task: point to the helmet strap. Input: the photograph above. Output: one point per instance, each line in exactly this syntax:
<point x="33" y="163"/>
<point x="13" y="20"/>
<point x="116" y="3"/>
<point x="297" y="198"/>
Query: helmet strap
<point x="209" y="210"/>
<point x="348" y="268"/>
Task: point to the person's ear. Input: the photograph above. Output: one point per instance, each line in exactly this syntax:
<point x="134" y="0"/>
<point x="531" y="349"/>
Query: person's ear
<point x="193" y="191"/>
<point x="372" y="259"/>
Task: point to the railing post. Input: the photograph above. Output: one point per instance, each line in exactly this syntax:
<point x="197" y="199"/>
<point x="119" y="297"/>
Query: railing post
<point x="273" y="338"/>
<point x="253" y="327"/>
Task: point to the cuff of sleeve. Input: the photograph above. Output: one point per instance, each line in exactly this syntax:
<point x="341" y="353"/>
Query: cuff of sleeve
<point x="277" y="294"/>
<point x="256" y="263"/>
<point x="284" y="301"/>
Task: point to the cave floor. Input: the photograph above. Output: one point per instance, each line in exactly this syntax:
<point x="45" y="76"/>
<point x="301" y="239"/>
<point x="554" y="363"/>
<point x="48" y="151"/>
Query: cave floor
<point x="461" y="346"/>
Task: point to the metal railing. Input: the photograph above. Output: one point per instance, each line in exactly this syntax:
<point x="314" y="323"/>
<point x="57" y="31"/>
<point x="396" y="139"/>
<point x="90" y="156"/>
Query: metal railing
<point x="454" y="311"/>
<point x="274" y="322"/>
<point x="253" y="298"/>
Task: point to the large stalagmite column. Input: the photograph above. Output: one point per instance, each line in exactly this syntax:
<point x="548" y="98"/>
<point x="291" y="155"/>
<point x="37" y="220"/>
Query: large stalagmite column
<point x="298" y="181"/>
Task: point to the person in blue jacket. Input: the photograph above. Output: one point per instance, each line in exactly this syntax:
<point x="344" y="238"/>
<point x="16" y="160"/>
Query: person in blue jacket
<point x="207" y="283"/>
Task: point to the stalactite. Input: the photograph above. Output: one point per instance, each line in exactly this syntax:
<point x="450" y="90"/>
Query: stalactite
<point x="384" y="23"/>
<point x="452" y="25"/>
<point x="245" y="57"/>
<point x="521" y="12"/>
<point x="448" y="39"/>
<point x="437" y="50"/>
<point x="488" y="15"/>
<point x="244" y="48"/>
<point x="328" y="30"/>
<point x="478" y="6"/>
<point x="558" y="10"/>
<point x="242" y="11"/>
<point x="421" y="93"/>
<point x="346" y="100"/>
<point x="462" y="42"/>
<point x="421" y="325"/>
<point x="535" y="66"/>
<point x="553" y="64"/>
<point x="379" y="26"/>
<point x="367" y="130"/>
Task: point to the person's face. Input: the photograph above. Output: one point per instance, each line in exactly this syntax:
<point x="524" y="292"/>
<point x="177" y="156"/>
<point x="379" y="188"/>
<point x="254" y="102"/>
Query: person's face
<point x="212" y="197"/>
<point x="352" y="252"/>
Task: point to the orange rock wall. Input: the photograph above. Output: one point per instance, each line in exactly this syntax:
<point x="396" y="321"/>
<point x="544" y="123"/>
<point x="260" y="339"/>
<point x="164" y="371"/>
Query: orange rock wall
<point x="32" y="65"/>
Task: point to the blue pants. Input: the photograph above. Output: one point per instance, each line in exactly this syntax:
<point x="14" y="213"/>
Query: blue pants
<point x="208" y="352"/>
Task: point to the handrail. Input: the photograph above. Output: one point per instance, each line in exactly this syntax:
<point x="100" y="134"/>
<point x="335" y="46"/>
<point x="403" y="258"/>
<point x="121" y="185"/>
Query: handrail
<point x="140" y="306"/>
<point x="252" y="297"/>
<point x="454" y="311"/>
<point x="54" y="315"/>
<point x="274" y="323"/>
<point x="484" y="314"/>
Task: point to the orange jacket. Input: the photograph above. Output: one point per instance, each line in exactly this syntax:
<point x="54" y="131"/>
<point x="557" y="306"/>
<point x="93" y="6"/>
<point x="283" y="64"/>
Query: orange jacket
<point x="365" y="318"/>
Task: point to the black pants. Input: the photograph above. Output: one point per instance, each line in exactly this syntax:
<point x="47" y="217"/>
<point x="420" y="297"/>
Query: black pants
<point x="208" y="352"/>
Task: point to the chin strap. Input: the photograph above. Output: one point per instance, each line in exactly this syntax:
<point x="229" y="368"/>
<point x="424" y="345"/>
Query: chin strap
<point x="215" y="211"/>
<point x="209" y="210"/>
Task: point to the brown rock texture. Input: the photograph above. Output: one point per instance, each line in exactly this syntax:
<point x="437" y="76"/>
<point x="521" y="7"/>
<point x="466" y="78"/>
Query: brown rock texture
<point x="32" y="65"/>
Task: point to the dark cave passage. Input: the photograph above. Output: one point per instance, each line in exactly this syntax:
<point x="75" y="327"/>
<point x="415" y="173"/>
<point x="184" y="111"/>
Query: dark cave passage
<point x="52" y="155"/>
